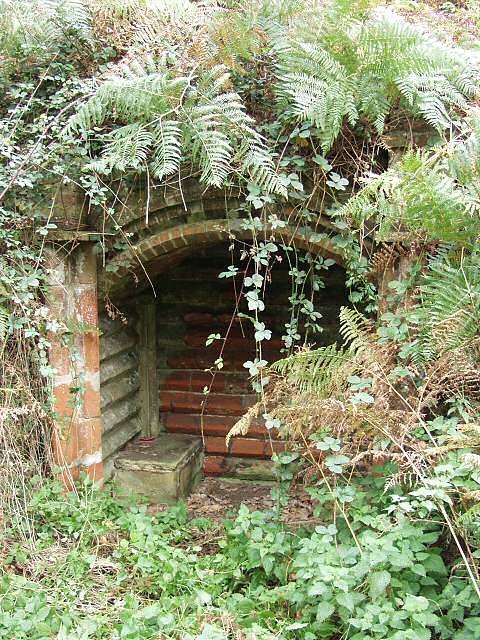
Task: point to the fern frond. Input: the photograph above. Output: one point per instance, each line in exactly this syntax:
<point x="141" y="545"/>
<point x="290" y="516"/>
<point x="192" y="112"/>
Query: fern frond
<point x="258" y="164"/>
<point x="172" y="120"/>
<point x="361" y="68"/>
<point x="4" y="316"/>
<point x="325" y="371"/>
<point x="127" y="148"/>
<point x="420" y="195"/>
<point x="354" y="329"/>
<point x="448" y="311"/>
<point x="167" y="148"/>
<point x="211" y="150"/>
<point x="321" y="371"/>
<point x="44" y="24"/>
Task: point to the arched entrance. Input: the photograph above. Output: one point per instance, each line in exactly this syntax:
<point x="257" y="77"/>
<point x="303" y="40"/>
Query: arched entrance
<point x="163" y="299"/>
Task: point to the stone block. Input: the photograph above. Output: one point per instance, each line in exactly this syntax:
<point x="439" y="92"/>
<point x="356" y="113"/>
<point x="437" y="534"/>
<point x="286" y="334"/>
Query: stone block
<point x="164" y="470"/>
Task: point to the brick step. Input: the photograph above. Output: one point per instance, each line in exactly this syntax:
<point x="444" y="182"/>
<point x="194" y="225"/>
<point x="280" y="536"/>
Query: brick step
<point x="233" y="343"/>
<point x="197" y="380"/>
<point x="210" y="272"/>
<point x="239" y="468"/>
<point x="208" y="320"/>
<point x="180" y="307"/>
<point x="212" y="283"/>
<point x="243" y="447"/>
<point x="208" y="425"/>
<point x="233" y="362"/>
<point x="216" y="403"/>
<point x="169" y="344"/>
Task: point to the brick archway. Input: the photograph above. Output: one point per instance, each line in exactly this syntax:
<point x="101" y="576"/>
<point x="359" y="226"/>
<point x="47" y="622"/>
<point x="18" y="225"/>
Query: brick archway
<point x="161" y="248"/>
<point x="172" y="401"/>
<point x="122" y="375"/>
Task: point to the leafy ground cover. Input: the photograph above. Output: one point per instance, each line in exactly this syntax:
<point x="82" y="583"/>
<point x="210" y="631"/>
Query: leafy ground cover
<point x="106" y="569"/>
<point x="292" y="106"/>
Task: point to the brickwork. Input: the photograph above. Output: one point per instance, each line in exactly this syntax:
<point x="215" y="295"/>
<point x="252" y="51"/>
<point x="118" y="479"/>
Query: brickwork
<point x="77" y="435"/>
<point x="182" y="224"/>
<point x="181" y="227"/>
<point x="193" y="303"/>
<point x="182" y="221"/>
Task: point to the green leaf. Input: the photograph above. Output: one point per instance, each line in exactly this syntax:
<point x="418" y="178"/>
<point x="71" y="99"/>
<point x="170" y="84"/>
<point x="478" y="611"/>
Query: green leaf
<point x="362" y="398"/>
<point x="346" y="600"/>
<point x="324" y="611"/>
<point x="378" y="582"/>
<point x="296" y="625"/>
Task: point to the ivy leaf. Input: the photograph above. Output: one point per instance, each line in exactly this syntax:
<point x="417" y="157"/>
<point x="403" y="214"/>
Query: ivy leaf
<point x="271" y="422"/>
<point x="255" y="366"/>
<point x="335" y="463"/>
<point x="362" y="397"/>
<point x="328" y="444"/>
<point x="337" y="182"/>
<point x="254" y="302"/>
<point x="261" y="332"/>
<point x="323" y="163"/>
<point x="256" y="280"/>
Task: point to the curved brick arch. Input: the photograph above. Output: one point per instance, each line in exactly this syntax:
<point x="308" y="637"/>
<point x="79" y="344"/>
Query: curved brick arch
<point x="160" y="250"/>
<point x="165" y="224"/>
<point x="120" y="369"/>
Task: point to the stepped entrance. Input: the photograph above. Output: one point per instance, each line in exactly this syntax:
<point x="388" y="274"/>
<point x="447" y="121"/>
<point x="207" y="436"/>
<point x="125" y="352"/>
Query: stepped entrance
<point x="193" y="304"/>
<point x="178" y="367"/>
<point x="136" y="385"/>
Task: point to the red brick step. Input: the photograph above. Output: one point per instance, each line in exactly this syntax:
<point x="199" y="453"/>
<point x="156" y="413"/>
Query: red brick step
<point x="248" y="447"/>
<point x="216" y="404"/>
<point x="195" y="380"/>
<point x="209" y="425"/>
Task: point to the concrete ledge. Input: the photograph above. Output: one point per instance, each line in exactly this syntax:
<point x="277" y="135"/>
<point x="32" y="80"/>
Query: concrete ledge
<point x="165" y="469"/>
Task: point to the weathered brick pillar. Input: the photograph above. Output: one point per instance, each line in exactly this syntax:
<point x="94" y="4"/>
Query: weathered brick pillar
<point x="75" y="357"/>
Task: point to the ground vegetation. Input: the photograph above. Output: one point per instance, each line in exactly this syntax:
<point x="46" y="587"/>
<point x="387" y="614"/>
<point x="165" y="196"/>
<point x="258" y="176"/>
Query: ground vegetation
<point x="299" y="106"/>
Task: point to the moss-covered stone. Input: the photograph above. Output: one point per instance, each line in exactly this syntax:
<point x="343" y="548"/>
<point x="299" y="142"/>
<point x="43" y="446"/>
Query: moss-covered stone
<point x="164" y="470"/>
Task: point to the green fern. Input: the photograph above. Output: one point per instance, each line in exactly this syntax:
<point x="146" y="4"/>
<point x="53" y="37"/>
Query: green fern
<point x="321" y="371"/>
<point x="169" y="120"/>
<point x="168" y="148"/>
<point x="126" y="148"/>
<point x="42" y="24"/>
<point x="428" y="194"/>
<point x="4" y="320"/>
<point x="448" y="312"/>
<point x="354" y="329"/>
<point x="361" y="68"/>
<point x="325" y="371"/>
